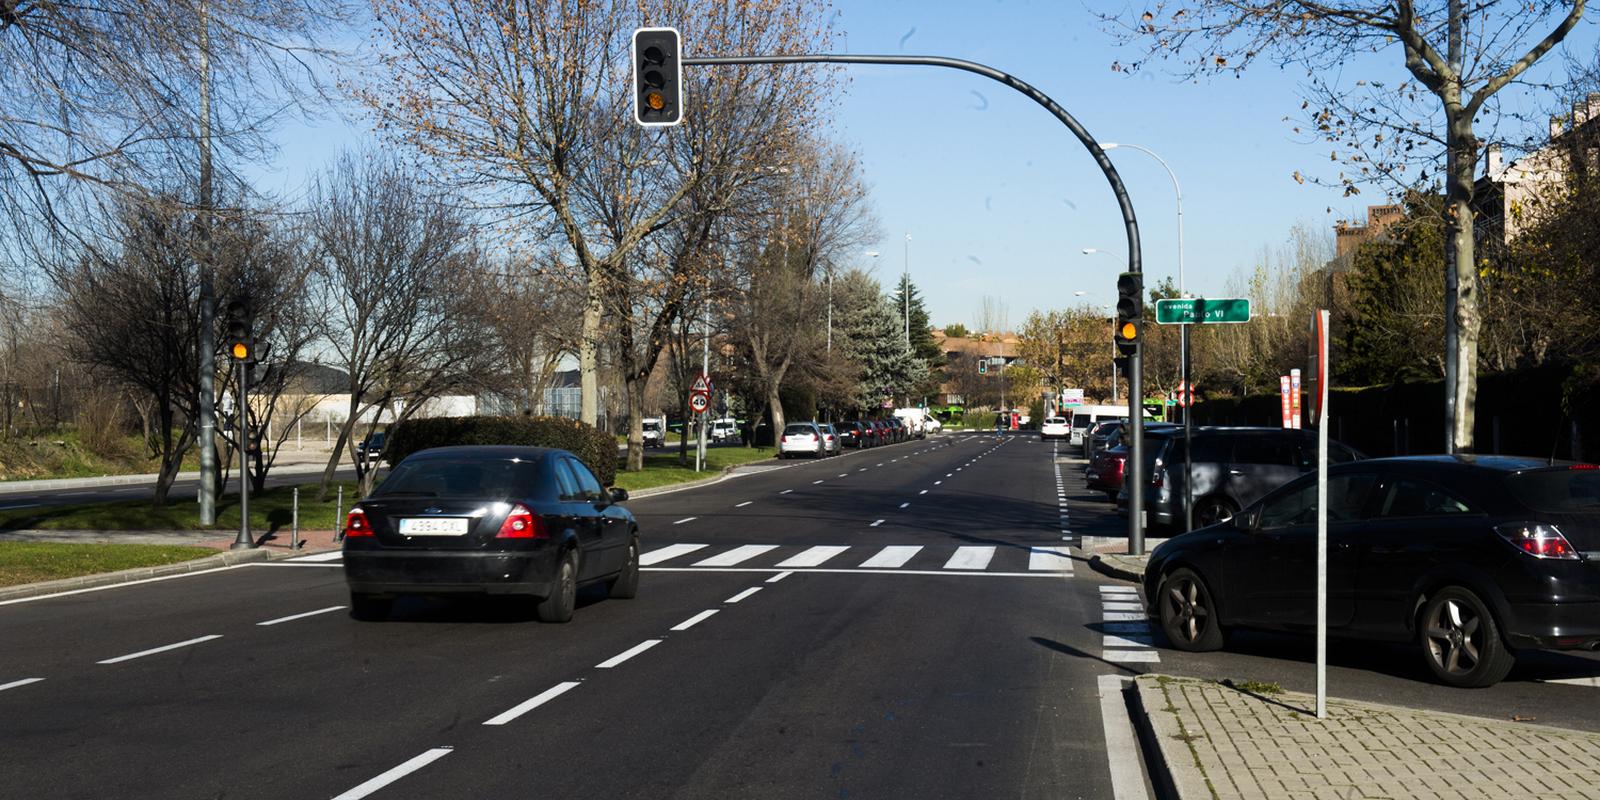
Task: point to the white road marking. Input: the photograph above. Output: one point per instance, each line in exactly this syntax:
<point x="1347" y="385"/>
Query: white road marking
<point x="814" y="483"/>
<point x="331" y="555"/>
<point x="1122" y="749"/>
<point x="301" y="615"/>
<point x="924" y="491"/>
<point x="876" y="523"/>
<point x="694" y="620"/>
<point x="1131" y="640"/>
<point x="778" y="577"/>
<point x="742" y="595"/>
<point x="814" y="557"/>
<point x="1568" y="681"/>
<point x="949" y="475"/>
<point x="19" y="505"/>
<point x="880" y="463"/>
<point x="1121" y="616"/>
<point x="970" y="558"/>
<point x="892" y="556"/>
<point x="936" y="483"/>
<point x="668" y="552"/>
<point x="1111" y="589"/>
<point x="843" y="475"/>
<point x="1058" y="559"/>
<point x="736" y="555"/>
<point x="15" y="684"/>
<point x="532" y="703"/>
<point x="742" y="505"/>
<point x="685" y="519"/>
<point x="395" y="774"/>
<point x="904" y="505"/>
<point x="786" y="491"/>
<point x="162" y="649"/>
<point x="627" y="654"/>
<point x="1130" y="656"/>
<point x="1111" y="606"/>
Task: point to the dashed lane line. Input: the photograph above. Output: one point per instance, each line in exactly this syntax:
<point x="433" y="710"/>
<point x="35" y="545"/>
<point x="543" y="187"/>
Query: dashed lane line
<point x="745" y="503"/>
<point x="17" y="684"/>
<point x="695" y="620"/>
<point x="162" y="649"/>
<point x="411" y="765"/>
<point x="301" y="615"/>
<point x="534" y="702"/>
<point x="742" y="595"/>
<point x="685" y="519"/>
<point x="628" y="653"/>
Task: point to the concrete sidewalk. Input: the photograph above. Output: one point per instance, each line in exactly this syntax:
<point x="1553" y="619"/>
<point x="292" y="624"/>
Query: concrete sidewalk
<point x="289" y="462"/>
<point x="1216" y="741"/>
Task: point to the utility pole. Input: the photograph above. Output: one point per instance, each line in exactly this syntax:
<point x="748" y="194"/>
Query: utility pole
<point x="207" y="344"/>
<point x="705" y="369"/>
<point x="905" y="292"/>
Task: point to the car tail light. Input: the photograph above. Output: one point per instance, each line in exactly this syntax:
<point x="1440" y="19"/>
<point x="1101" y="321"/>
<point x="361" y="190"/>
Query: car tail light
<point x="1538" y="540"/>
<point x="1584" y="466"/>
<point x="783" y="438"/>
<point x="356" y="525"/>
<point x="521" y="524"/>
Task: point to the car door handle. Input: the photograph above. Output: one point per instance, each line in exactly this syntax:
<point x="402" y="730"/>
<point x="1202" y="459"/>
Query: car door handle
<point x="1234" y="472"/>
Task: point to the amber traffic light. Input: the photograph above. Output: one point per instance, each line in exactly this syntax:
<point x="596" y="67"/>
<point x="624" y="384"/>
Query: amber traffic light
<point x="657" y="77"/>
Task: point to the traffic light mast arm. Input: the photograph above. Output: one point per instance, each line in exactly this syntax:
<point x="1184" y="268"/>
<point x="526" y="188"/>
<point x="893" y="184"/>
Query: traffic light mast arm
<point x="1129" y="221"/>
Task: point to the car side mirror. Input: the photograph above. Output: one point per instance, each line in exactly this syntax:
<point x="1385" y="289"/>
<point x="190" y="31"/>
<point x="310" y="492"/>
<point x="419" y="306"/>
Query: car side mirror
<point x="619" y="494"/>
<point x="1249" y="520"/>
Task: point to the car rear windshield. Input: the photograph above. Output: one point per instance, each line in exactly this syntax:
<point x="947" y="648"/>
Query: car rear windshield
<point x="1080" y="421"/>
<point x="460" y="477"/>
<point x="798" y="430"/>
<point x="1056" y="421"/>
<point x="1561" y="491"/>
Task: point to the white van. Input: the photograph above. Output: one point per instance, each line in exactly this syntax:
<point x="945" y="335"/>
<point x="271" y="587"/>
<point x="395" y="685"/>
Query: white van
<point x="1084" y="418"/>
<point x="915" y="420"/>
<point x="725" y="429"/>
<point x="654" y="431"/>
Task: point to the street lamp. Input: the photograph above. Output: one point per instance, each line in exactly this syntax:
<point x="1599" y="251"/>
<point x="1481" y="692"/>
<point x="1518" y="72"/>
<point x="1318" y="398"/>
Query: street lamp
<point x="905" y="291"/>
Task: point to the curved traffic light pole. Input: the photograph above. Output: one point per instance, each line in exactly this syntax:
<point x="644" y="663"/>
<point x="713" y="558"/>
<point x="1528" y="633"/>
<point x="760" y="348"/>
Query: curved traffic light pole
<point x="1135" y="467"/>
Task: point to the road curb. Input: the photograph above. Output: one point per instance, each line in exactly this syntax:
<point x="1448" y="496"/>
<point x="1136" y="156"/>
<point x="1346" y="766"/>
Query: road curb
<point x="217" y="561"/>
<point x="1155" y="745"/>
<point x="727" y="472"/>
<point x="51" y="484"/>
<point x="1117" y="567"/>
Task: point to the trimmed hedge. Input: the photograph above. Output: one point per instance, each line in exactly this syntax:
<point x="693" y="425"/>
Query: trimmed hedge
<point x="595" y="448"/>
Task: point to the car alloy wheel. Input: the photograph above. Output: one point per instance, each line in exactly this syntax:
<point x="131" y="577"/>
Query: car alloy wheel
<point x="1211" y="511"/>
<point x="1188" y="616"/>
<point x="563" y="593"/>
<point x="1461" y="640"/>
<point x="626" y="585"/>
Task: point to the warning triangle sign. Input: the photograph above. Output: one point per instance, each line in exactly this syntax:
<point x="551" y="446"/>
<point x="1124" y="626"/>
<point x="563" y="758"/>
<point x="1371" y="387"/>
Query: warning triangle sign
<point x="702" y="385"/>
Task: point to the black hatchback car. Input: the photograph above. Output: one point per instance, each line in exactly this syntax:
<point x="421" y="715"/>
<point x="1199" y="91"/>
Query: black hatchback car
<point x="526" y="521"/>
<point x="1468" y="558"/>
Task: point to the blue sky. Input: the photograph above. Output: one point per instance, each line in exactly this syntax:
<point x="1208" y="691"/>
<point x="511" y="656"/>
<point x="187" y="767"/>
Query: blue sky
<point x="997" y="196"/>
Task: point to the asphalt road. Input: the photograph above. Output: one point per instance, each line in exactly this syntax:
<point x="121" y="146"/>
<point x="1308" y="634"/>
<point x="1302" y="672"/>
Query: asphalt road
<point x="890" y="623"/>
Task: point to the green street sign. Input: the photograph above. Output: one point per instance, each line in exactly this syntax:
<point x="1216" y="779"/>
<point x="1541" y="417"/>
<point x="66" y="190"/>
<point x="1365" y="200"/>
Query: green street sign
<point x="1198" y="310"/>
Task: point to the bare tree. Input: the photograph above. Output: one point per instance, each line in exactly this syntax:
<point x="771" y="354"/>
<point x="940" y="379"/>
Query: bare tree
<point x="389" y="259"/>
<point x="1459" y="56"/>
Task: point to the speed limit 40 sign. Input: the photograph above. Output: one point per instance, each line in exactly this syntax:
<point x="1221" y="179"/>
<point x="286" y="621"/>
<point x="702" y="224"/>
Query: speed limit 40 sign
<point x="699" y="403"/>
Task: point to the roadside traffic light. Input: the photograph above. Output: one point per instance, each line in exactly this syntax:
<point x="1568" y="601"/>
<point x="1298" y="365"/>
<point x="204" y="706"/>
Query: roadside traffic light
<point x="241" y="341"/>
<point x="657" y="79"/>
<point x="1130" y="312"/>
<point x="983" y="366"/>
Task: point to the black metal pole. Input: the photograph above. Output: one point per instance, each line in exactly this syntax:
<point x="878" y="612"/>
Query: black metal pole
<point x="1129" y="222"/>
<point x="244" y="541"/>
<point x="1187" y="393"/>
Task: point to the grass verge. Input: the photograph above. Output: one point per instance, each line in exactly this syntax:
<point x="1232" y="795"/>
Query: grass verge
<point x="663" y="469"/>
<point x="31" y="562"/>
<point x="269" y="511"/>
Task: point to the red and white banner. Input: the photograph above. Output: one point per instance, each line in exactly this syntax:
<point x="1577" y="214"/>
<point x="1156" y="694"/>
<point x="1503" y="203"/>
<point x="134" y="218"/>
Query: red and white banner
<point x="1283" y="392"/>
<point x="1294" y="397"/>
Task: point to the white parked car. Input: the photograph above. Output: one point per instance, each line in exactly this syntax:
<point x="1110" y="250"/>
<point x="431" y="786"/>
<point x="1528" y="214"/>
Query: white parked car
<point x="1055" y="428"/>
<point x="724" y="430"/>
<point x="801" y="439"/>
<point x="830" y="439"/>
<point x="655" y="431"/>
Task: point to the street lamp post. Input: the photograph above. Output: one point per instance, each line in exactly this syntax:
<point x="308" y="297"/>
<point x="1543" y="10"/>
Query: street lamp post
<point x="1183" y="339"/>
<point x="905" y="292"/>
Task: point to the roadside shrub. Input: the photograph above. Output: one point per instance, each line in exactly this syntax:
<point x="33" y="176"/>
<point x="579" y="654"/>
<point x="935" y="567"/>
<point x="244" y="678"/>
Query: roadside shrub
<point x="594" y="447"/>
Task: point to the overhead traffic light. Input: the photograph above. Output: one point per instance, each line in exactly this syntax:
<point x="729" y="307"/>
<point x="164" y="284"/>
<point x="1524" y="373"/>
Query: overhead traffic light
<point x="241" y="342"/>
<point x="1130" y="312"/>
<point x="657" y="77"/>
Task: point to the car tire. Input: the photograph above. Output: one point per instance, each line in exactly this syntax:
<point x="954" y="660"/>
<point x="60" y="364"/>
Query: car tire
<point x="1188" y="615"/>
<point x="370" y="608"/>
<point x="563" y="594"/>
<point x="1461" y="641"/>
<point x="1212" y="510"/>
<point x="626" y="585"/>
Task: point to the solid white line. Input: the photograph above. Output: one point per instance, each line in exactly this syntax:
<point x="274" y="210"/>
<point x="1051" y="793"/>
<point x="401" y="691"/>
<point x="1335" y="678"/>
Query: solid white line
<point x="1122" y="749"/>
<point x="694" y="620"/>
<point x="903" y="505"/>
<point x="131" y="583"/>
<point x="745" y="503"/>
<point x="1050" y="558"/>
<point x="532" y="703"/>
<point x="302" y="615"/>
<point x="814" y="557"/>
<point x="876" y="523"/>
<point x="685" y="519"/>
<point x="669" y="552"/>
<point x="627" y="654"/>
<point x="331" y="555"/>
<point x="970" y="558"/>
<point x="395" y="774"/>
<point x="778" y="577"/>
<point x="1131" y="656"/>
<point x="742" y="595"/>
<point x="893" y="556"/>
<point x="162" y="649"/>
<point x="736" y="555"/>
<point x="15" y="684"/>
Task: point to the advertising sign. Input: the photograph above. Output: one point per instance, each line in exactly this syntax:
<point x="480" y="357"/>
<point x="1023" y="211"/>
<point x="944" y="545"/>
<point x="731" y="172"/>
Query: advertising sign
<point x="1283" y="393"/>
<point x="1294" y="397"/>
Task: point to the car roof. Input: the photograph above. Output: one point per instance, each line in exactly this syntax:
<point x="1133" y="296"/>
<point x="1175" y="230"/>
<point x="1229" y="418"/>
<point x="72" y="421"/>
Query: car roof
<point x="487" y="452"/>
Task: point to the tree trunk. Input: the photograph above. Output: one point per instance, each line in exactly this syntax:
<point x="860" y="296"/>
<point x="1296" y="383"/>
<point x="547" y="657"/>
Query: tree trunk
<point x="589" y="352"/>
<point x="634" y="386"/>
<point x="776" y="404"/>
<point x="1463" y="322"/>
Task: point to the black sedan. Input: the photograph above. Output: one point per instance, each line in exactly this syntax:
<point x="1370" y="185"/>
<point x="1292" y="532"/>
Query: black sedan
<point x="1469" y="558"/>
<point x="526" y="521"/>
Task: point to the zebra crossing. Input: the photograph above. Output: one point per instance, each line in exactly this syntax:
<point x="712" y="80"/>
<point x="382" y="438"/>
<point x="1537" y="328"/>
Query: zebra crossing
<point x="1125" y="628"/>
<point x="991" y="559"/>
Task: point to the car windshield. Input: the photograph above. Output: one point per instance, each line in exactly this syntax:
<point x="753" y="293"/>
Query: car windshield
<point x="459" y="477"/>
<point x="1560" y="491"/>
<point x="651" y="426"/>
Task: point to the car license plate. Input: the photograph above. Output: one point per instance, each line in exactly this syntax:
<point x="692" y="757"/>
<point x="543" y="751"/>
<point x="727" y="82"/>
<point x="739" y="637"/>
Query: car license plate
<point x="433" y="526"/>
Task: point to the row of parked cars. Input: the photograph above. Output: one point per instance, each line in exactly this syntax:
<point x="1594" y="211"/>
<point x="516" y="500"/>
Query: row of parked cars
<point x="1469" y="559"/>
<point x="822" y="439"/>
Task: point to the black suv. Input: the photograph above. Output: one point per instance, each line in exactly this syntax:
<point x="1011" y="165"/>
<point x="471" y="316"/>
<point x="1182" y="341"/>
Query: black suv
<point x="1233" y="467"/>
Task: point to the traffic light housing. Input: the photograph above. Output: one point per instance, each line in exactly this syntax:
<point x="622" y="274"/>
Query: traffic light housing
<point x="657" y="77"/>
<point x="1130" y="312"/>
<point x="983" y="366"/>
<point x="241" y="343"/>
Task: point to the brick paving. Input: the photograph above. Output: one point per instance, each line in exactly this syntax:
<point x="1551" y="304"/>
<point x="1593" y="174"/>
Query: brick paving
<point x="1220" y="742"/>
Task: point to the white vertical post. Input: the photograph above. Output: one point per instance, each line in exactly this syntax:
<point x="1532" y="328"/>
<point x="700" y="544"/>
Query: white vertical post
<point x="1323" y="375"/>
